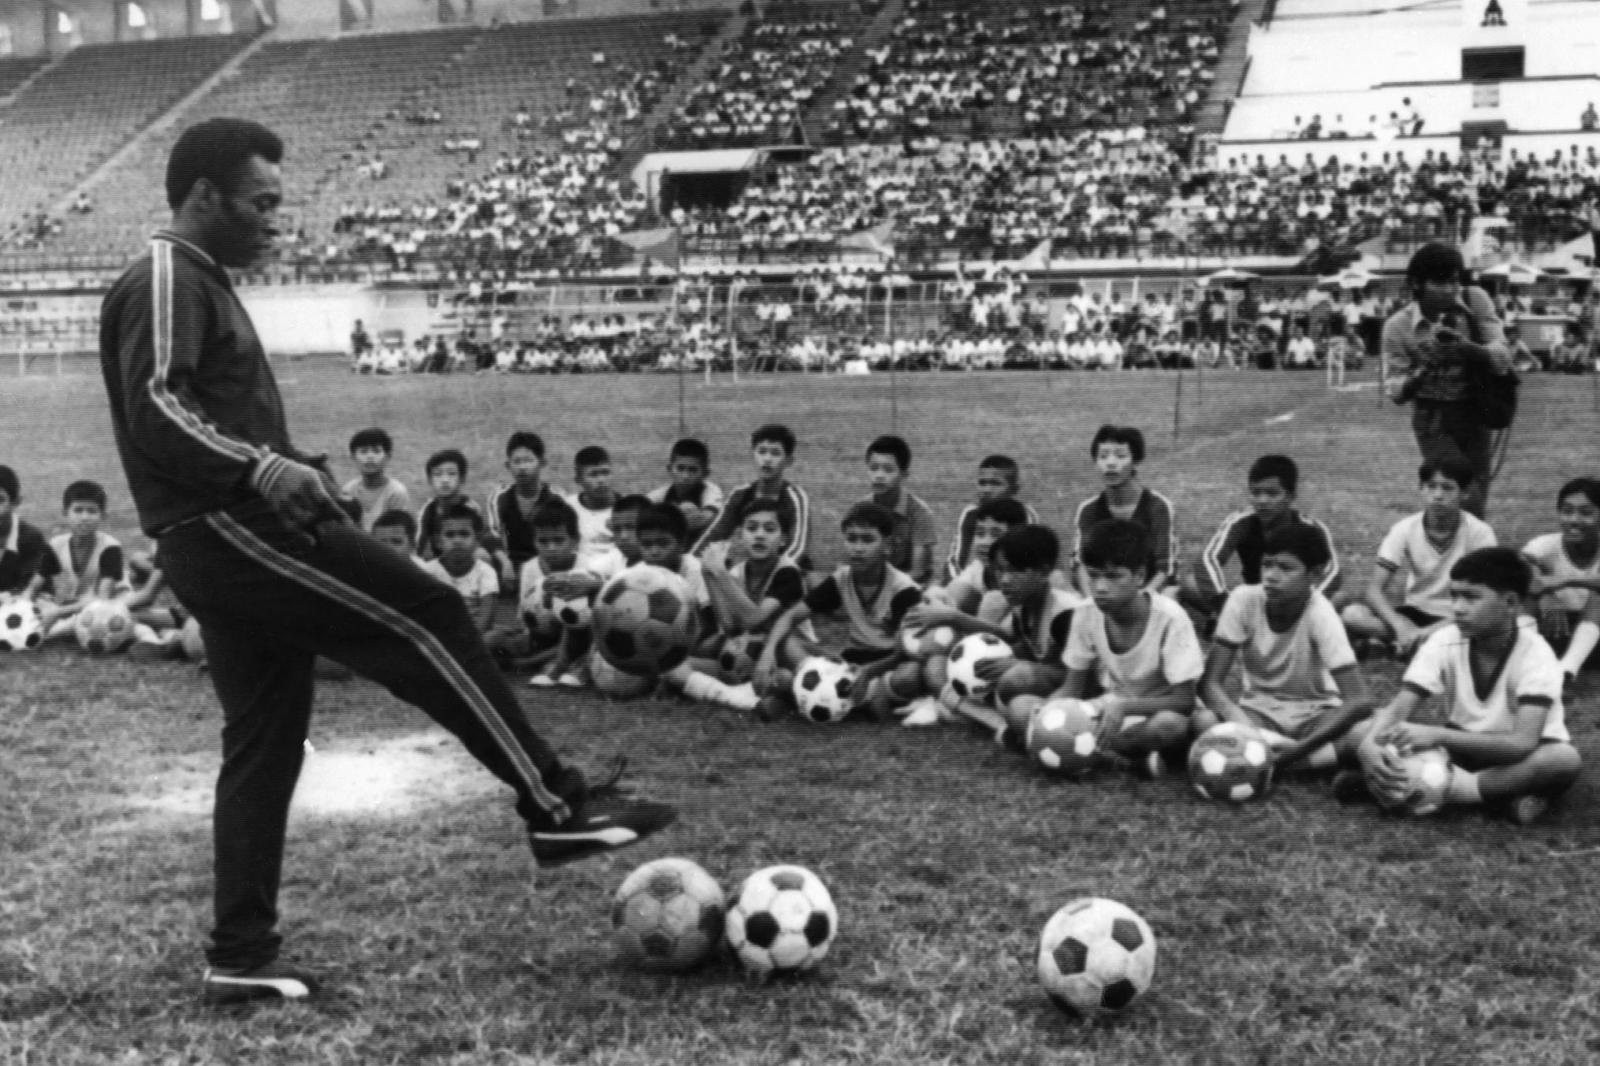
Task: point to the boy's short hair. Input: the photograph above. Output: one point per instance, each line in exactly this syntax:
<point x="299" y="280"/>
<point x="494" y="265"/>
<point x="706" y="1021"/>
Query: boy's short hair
<point x="1116" y="542"/>
<point x="762" y="505"/>
<point x="691" y="448"/>
<point x="446" y="457"/>
<point x="1588" y="487"/>
<point x="590" y="456"/>
<point x="1304" y="542"/>
<point x="664" y="518"/>
<point x="1008" y="512"/>
<point x="395" y="518"/>
<point x="84" y="492"/>
<point x="872" y="516"/>
<point x="1458" y="470"/>
<point x="462" y="511"/>
<point x="1005" y="464"/>
<point x="634" y="502"/>
<point x="525" y="438"/>
<point x="1028" y="547"/>
<point x="894" y="447"/>
<point x="557" y="514"/>
<point x="373" y="437"/>
<point x="775" y="433"/>
<point x="1499" y="569"/>
<point x="1128" y="435"/>
<point x="9" y="483"/>
<point x="1280" y="467"/>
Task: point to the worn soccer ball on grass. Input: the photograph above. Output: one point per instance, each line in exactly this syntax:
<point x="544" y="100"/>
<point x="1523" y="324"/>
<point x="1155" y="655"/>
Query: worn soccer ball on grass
<point x="574" y="612"/>
<point x="1063" y="735"/>
<point x="1428" y="774"/>
<point x="19" y="624"/>
<point x="782" y="921"/>
<point x="968" y="652"/>
<point x="822" y="689"/>
<point x="927" y="642"/>
<point x="644" y="621"/>
<point x="1096" y="956"/>
<point x="668" y="916"/>
<point x="103" y="626"/>
<point x="1231" y="762"/>
<point x="737" y="660"/>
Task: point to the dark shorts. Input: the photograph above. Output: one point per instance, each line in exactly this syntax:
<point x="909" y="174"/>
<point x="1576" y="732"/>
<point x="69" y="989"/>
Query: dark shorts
<point x="1418" y="617"/>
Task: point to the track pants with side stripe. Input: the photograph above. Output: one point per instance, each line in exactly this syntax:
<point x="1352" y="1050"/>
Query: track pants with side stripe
<point x="269" y="602"/>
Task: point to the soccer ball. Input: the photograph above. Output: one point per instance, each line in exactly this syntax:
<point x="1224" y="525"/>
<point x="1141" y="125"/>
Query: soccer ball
<point x="1063" y="735"/>
<point x="739" y="655"/>
<point x="573" y="613"/>
<point x="822" y="689"/>
<point x="668" y="915"/>
<point x="19" y="624"/>
<point x="1429" y="773"/>
<point x="644" y="622"/>
<point x="611" y="682"/>
<point x="194" y="645"/>
<point x="1230" y="762"/>
<point x="1096" y="957"/>
<point x="964" y="659"/>
<point x="103" y="626"/>
<point x="927" y="642"/>
<point x="782" y="921"/>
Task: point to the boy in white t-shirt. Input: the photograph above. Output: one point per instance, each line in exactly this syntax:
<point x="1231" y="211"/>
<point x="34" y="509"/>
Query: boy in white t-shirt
<point x="594" y="499"/>
<point x="1301" y="686"/>
<point x="1420" y="548"/>
<point x="458" y="565"/>
<point x="1143" y="645"/>
<point x="1567" y="579"/>
<point x="558" y="571"/>
<point x="1504" y="727"/>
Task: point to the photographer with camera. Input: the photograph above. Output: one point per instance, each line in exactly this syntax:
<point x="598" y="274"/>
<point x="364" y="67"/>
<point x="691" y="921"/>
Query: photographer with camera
<point x="1446" y="354"/>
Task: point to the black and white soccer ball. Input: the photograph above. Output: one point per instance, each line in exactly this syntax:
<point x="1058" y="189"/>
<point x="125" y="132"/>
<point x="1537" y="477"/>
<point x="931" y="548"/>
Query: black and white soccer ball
<point x="823" y="689"/>
<point x="782" y="921"/>
<point x="19" y="624"/>
<point x="1096" y="957"/>
<point x="573" y="613"/>
<point x="968" y="652"/>
<point x="668" y="916"/>
<point x="103" y="626"/>
<point x="1427" y="782"/>
<point x="1231" y="762"/>
<point x="736" y="662"/>
<point x="1064" y="735"/>
<point x="928" y="641"/>
<point x="644" y="621"/>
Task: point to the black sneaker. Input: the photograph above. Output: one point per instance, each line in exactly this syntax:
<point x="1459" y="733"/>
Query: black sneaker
<point x="273" y="980"/>
<point x="1350" y="786"/>
<point x="606" y="819"/>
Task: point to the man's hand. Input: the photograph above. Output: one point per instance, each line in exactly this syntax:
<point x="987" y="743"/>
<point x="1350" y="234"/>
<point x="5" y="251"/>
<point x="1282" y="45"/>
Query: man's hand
<point x="300" y="494"/>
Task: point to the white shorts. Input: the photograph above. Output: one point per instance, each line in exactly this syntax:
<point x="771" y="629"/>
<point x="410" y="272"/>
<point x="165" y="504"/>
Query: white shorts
<point x="1292" y="718"/>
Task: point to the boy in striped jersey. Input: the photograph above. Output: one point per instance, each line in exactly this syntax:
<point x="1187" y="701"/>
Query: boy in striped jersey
<point x="1274" y="481"/>
<point x="772" y="447"/>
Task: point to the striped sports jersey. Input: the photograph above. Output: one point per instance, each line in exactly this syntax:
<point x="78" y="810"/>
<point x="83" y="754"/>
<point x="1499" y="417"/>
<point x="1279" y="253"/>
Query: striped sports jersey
<point x="706" y="496"/>
<point x="784" y="583"/>
<point x="105" y="560"/>
<point x="961" y="545"/>
<point x="794" y="517"/>
<point x="510" y="518"/>
<point x="872" y="626"/>
<point x="1153" y="511"/>
<point x="1245" y="535"/>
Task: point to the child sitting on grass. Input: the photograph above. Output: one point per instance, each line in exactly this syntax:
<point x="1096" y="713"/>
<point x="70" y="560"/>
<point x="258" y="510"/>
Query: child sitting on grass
<point x="458" y="564"/>
<point x="772" y="448"/>
<point x="559" y="570"/>
<point x="1118" y="452"/>
<point x="22" y="547"/>
<point x="750" y="595"/>
<point x="446" y="471"/>
<point x="912" y="543"/>
<point x="398" y="529"/>
<point x="1567" y="579"/>
<point x="689" y="464"/>
<point x="83" y="564"/>
<point x="998" y="479"/>
<point x="373" y="488"/>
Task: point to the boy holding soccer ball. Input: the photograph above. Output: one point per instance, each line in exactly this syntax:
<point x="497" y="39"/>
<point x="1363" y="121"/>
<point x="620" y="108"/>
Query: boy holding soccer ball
<point x="1302" y="688"/>
<point x="1500" y="685"/>
<point x="1141" y="642"/>
<point x="750" y="595"/>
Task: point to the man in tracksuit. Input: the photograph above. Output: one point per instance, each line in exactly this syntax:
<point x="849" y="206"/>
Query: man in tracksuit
<point x="255" y="544"/>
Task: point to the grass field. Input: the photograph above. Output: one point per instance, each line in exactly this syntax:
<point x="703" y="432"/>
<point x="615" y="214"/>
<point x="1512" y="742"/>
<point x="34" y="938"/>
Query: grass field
<point x="1293" y="931"/>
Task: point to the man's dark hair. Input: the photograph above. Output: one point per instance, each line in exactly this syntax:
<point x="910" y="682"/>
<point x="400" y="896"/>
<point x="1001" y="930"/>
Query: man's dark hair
<point x="1008" y="512"/>
<point x="1128" y="435"/>
<point x="446" y="457"/>
<point x="557" y="514"/>
<point x="372" y="438"/>
<point x="1028" y="548"/>
<point x="664" y="518"/>
<point x="1116" y="542"/>
<point x="894" y="447"/>
<point x="217" y="150"/>
<point x="772" y="433"/>
<point x="525" y="438"/>
<point x="1498" y="569"/>
<point x="1304" y="542"/>
<point x="397" y="518"/>
<point x="1280" y="467"/>
<point x="1458" y="470"/>
<point x="1434" y="261"/>
<point x="691" y="448"/>
<point x="590" y="456"/>
<point x="84" y="492"/>
<point x="462" y="511"/>
<point x="870" y="515"/>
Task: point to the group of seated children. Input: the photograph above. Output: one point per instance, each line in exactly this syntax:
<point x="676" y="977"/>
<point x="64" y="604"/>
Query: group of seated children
<point x="1113" y="624"/>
